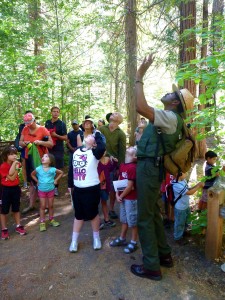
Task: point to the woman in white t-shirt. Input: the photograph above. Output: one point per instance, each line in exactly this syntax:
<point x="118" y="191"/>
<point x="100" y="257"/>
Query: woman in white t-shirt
<point x="84" y="180"/>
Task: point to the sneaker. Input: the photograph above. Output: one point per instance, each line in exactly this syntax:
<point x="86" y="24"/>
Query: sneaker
<point x="54" y="223"/>
<point x="42" y="226"/>
<point x="97" y="245"/>
<point x="27" y="209"/>
<point x="107" y="224"/>
<point x="56" y="192"/>
<point x="20" y="229"/>
<point x="112" y="214"/>
<point x="5" y="234"/>
<point x="73" y="247"/>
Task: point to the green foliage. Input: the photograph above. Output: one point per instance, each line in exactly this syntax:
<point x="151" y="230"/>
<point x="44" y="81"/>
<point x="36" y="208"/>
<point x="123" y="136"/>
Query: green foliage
<point x="198" y="221"/>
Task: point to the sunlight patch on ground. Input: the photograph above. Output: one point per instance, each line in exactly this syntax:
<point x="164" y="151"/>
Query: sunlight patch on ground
<point x="193" y="175"/>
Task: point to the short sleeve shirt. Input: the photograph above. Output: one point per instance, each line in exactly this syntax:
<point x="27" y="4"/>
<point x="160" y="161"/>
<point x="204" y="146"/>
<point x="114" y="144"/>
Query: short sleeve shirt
<point x="72" y="137"/>
<point x="60" y="128"/>
<point x="39" y="134"/>
<point x="46" y="179"/>
<point x="128" y="171"/>
<point x="178" y="187"/>
<point x="4" y="171"/>
<point x="166" y="120"/>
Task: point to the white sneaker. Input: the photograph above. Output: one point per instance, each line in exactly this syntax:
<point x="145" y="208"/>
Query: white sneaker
<point x="73" y="246"/>
<point x="56" y="192"/>
<point x="97" y="243"/>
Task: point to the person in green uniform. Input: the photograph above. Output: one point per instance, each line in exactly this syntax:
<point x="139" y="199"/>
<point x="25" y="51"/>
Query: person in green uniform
<point x="155" y="248"/>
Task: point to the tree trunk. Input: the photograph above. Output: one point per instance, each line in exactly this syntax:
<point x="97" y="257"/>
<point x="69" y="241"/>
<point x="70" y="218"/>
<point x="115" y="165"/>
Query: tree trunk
<point x="201" y="145"/>
<point x="34" y="9"/>
<point x="131" y="65"/>
<point x="188" y="40"/>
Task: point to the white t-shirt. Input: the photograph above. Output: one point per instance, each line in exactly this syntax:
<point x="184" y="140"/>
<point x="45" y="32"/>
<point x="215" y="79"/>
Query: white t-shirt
<point x="85" y="165"/>
<point x="183" y="202"/>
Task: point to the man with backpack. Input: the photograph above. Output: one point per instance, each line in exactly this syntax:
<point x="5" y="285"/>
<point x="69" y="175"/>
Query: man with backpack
<point x="167" y="124"/>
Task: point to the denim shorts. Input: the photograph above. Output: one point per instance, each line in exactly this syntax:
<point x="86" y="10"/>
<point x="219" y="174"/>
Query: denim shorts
<point x="128" y="212"/>
<point x="104" y="195"/>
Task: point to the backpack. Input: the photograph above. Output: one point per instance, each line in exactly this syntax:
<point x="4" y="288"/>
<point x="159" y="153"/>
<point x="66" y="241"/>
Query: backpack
<point x="181" y="158"/>
<point x="170" y="194"/>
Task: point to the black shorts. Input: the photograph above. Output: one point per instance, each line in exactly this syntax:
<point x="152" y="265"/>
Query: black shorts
<point x="86" y="201"/>
<point x="59" y="158"/>
<point x="10" y="197"/>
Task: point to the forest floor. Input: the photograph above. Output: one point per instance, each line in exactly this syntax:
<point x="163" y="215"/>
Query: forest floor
<point x="39" y="265"/>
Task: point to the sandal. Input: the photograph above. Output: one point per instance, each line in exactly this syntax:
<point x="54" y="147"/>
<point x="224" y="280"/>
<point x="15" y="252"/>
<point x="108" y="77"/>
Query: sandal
<point x="118" y="242"/>
<point x="131" y="247"/>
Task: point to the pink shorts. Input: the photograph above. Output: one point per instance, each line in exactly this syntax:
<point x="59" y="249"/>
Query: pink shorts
<point x="49" y="194"/>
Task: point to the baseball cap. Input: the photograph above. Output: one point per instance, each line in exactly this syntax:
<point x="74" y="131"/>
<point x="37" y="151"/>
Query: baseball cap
<point x="74" y="122"/>
<point x="28" y="119"/>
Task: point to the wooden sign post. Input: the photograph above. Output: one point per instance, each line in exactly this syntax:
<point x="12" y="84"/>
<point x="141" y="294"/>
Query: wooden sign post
<point x="214" y="232"/>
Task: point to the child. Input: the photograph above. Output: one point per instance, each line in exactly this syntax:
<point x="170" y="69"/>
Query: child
<point x="128" y="203"/>
<point x="44" y="176"/>
<point x="182" y="209"/>
<point x="10" y="190"/>
<point x="105" y="166"/>
<point x="86" y="188"/>
<point x="210" y="171"/>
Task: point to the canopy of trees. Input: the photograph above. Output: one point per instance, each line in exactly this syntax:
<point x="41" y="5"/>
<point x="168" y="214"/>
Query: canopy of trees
<point x="82" y="56"/>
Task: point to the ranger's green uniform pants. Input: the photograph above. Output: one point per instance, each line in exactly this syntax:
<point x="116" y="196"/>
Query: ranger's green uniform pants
<point x="150" y="226"/>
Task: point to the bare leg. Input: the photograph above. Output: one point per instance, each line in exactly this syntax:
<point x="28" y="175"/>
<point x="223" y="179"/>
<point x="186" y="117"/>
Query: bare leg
<point x="77" y="225"/>
<point x="134" y="233"/>
<point x="95" y="223"/>
<point x="105" y="210"/>
<point x="17" y="217"/>
<point x="24" y="173"/>
<point x="42" y="209"/>
<point x="50" y="207"/>
<point x="3" y="221"/>
<point x="124" y="230"/>
<point x="112" y="197"/>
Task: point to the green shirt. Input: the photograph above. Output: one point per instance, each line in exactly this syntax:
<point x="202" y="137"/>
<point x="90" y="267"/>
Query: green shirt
<point x="115" y="142"/>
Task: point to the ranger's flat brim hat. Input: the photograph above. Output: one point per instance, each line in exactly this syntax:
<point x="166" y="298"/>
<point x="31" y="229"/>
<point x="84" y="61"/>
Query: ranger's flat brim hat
<point x="186" y="98"/>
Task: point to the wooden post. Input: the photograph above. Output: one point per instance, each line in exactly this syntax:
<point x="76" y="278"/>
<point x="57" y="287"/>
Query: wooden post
<point x="214" y="232"/>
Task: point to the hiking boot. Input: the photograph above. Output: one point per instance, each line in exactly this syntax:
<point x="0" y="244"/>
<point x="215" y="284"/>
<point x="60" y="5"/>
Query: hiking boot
<point x="140" y="271"/>
<point x="166" y="260"/>
<point x="42" y="226"/>
<point x="27" y="209"/>
<point x="5" y="234"/>
<point x="56" y="192"/>
<point x="112" y="214"/>
<point x="20" y="229"/>
<point x="107" y="224"/>
<point x="54" y="223"/>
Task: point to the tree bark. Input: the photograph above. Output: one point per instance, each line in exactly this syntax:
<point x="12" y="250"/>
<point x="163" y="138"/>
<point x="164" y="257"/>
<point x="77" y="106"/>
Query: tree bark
<point x="187" y="49"/>
<point x="131" y="65"/>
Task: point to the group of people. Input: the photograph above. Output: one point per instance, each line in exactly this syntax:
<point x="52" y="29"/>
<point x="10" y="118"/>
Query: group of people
<point x="98" y="156"/>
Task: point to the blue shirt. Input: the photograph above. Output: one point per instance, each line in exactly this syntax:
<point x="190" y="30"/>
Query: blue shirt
<point x="181" y="187"/>
<point x="45" y="179"/>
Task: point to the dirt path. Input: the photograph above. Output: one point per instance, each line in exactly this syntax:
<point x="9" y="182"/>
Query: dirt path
<point x="39" y="266"/>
